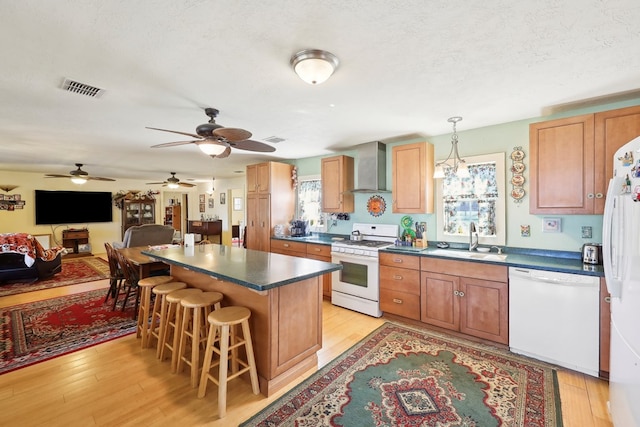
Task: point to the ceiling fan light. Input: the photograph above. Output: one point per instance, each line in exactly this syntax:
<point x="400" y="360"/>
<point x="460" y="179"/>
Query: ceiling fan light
<point x="211" y="149"/>
<point x="78" y="180"/>
<point x="314" y="66"/>
<point x="173" y="185"/>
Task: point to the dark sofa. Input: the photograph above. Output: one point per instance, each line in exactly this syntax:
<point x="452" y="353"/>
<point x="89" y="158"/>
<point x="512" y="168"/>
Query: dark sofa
<point x="22" y="258"/>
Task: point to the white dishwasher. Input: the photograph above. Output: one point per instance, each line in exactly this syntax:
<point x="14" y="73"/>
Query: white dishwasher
<point x="555" y="317"/>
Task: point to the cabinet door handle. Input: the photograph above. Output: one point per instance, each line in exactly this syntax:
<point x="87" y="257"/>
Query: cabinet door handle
<point x="397" y="301"/>
<point x="460" y="293"/>
<point x="397" y="260"/>
<point x="397" y="277"/>
<point x="456" y="293"/>
<point x="317" y="249"/>
<point x="599" y="195"/>
<point x="286" y="245"/>
<point x="590" y="196"/>
<point x="607" y="300"/>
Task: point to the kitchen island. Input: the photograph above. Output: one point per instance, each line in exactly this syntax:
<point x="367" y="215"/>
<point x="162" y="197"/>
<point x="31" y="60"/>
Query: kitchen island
<point x="284" y="295"/>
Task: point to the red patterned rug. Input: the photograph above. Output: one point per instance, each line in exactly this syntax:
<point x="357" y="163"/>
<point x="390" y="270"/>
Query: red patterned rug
<point x="42" y="330"/>
<point x="399" y="376"/>
<point x="75" y="270"/>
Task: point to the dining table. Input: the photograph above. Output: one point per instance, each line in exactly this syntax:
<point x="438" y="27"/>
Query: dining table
<point x="146" y="265"/>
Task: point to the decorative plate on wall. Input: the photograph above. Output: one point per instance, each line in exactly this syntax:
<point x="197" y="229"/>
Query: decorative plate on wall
<point x="376" y="205"/>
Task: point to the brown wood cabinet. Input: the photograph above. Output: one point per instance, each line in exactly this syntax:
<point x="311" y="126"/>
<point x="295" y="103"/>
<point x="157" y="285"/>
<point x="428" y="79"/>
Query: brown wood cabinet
<point x="207" y="229"/>
<point x="605" y="328"/>
<point x="337" y="182"/>
<point x="400" y="285"/>
<point x="306" y="250"/>
<point x="259" y="178"/>
<point x="76" y="242"/>
<point x="270" y="202"/>
<point x="571" y="160"/>
<point x="474" y="301"/>
<point x="138" y="212"/>
<point x="412" y="177"/>
<point x="173" y="217"/>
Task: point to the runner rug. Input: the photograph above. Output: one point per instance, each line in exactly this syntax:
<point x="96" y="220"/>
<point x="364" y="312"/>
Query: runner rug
<point x="76" y="270"/>
<point x="399" y="376"/>
<point x="42" y="330"/>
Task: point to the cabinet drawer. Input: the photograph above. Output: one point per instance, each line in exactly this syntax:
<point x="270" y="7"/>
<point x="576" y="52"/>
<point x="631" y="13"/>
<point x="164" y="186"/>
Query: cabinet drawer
<point x="286" y="246"/>
<point x="75" y="234"/>
<point x="400" y="303"/>
<point x="400" y="279"/>
<point x="319" y="250"/>
<point x="496" y="273"/>
<point x="396" y="260"/>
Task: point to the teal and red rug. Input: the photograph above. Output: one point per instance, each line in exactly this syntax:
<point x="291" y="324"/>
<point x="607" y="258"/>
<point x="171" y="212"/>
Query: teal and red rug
<point x="41" y="330"/>
<point x="400" y="376"/>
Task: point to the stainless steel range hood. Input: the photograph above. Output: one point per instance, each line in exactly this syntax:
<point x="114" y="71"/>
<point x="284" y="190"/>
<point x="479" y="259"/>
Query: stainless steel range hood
<point x="372" y="168"/>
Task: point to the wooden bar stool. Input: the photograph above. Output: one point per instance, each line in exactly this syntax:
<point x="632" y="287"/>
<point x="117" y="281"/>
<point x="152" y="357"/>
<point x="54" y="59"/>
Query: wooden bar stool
<point x="194" y="329"/>
<point x="170" y="338"/>
<point x="222" y="323"/>
<point x="144" y="308"/>
<point x="160" y="307"/>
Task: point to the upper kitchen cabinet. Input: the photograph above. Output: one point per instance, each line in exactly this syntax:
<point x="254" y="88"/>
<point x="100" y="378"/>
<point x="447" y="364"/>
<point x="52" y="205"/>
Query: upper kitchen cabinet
<point x="412" y="178"/>
<point x="259" y="178"/>
<point x="572" y="160"/>
<point x="337" y="184"/>
<point x="271" y="202"/>
<point x="613" y="129"/>
<point x="561" y="162"/>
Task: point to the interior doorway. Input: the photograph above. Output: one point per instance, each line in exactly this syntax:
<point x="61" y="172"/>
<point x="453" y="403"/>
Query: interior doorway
<point x="236" y="211"/>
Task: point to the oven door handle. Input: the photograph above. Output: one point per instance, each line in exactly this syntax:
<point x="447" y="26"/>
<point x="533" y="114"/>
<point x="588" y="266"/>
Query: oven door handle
<point x="351" y="257"/>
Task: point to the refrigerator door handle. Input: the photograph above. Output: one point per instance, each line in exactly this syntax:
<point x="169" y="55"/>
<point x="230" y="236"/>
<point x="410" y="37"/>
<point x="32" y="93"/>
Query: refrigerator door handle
<point x="609" y="245"/>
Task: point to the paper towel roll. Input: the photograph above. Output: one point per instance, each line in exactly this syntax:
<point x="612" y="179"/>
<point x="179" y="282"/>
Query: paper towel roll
<point x="189" y="239"/>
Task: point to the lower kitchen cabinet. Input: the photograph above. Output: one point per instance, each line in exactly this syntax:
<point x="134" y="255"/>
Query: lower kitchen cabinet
<point x="306" y="250"/>
<point x="474" y="302"/>
<point x="400" y="285"/>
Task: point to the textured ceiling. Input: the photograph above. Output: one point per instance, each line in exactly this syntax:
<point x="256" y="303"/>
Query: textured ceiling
<point x="406" y="66"/>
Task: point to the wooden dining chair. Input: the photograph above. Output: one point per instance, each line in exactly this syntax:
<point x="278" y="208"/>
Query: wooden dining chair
<point x="116" y="276"/>
<point x="130" y="284"/>
<point x="204" y="242"/>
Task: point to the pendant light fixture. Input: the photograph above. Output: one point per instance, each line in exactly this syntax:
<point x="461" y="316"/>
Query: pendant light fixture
<point x="453" y="163"/>
<point x="314" y="66"/>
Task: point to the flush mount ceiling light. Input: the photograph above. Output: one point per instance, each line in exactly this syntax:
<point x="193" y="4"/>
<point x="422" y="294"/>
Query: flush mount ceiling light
<point x="314" y="66"/>
<point x="453" y="163"/>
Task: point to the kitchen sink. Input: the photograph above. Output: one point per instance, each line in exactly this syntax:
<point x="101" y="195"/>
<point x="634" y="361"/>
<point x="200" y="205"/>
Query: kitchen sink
<point x="468" y="255"/>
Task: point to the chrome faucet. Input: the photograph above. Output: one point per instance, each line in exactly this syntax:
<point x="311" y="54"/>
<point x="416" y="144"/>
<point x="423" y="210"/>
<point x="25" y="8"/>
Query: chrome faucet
<point x="473" y="232"/>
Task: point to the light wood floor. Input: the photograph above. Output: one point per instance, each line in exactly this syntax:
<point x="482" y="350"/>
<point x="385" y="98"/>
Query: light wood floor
<point x="117" y="383"/>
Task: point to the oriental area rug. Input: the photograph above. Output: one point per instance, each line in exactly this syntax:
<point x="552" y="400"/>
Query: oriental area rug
<point x="75" y="270"/>
<point x="400" y="376"/>
<point x="41" y="330"/>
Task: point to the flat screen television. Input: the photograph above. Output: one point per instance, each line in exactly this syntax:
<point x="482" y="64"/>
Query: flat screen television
<point x="73" y="207"/>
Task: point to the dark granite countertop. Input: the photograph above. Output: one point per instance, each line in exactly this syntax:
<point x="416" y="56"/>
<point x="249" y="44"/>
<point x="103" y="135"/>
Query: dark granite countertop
<point x="257" y="270"/>
<point x="540" y="259"/>
<point x="559" y="261"/>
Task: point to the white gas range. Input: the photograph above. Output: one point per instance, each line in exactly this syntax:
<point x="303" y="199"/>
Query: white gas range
<point x="357" y="285"/>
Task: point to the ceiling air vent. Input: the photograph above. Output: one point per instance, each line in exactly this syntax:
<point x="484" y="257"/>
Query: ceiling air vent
<point x="274" y="139"/>
<point x="81" y="88"/>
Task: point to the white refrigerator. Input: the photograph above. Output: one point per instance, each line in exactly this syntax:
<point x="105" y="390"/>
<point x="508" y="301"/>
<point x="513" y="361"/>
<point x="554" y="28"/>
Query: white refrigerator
<point x="621" y="259"/>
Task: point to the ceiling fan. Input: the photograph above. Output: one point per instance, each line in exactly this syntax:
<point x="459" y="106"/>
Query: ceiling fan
<point x="172" y="182"/>
<point x="78" y="176"/>
<point x="217" y="141"/>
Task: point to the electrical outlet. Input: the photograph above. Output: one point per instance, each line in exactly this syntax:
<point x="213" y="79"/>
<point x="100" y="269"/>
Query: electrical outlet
<point x="587" y="232"/>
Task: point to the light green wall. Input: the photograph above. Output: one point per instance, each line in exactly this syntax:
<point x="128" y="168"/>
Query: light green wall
<point x="491" y="139"/>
